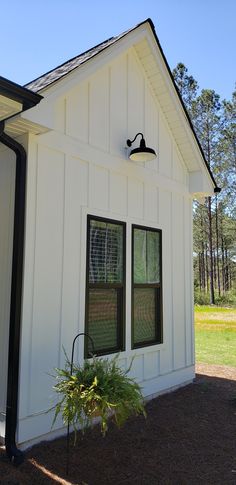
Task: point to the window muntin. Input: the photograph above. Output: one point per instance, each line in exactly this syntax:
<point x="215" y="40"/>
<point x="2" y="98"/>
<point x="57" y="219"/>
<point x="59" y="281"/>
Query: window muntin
<point x="105" y="284"/>
<point x="146" y="287"/>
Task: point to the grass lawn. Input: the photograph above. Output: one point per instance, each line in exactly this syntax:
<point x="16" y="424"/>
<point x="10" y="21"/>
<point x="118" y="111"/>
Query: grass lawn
<point x="215" y="335"/>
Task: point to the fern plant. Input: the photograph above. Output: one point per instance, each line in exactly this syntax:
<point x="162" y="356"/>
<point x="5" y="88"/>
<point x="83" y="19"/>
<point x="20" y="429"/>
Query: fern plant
<point x="98" y="388"/>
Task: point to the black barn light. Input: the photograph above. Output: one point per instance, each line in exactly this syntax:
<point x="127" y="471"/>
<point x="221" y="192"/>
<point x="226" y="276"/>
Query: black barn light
<point x="143" y="153"/>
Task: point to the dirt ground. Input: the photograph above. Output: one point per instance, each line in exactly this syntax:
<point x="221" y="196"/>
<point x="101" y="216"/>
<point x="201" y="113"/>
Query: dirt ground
<point x="189" y="437"/>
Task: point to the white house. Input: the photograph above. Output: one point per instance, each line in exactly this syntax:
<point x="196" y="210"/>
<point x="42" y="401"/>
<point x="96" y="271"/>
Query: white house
<point x="100" y="242"/>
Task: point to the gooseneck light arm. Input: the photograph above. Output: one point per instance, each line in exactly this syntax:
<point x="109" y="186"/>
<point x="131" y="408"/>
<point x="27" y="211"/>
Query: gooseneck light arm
<point x="129" y="142"/>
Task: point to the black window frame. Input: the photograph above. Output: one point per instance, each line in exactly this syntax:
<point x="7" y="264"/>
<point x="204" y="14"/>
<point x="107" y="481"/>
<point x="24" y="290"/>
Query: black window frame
<point x="121" y="305"/>
<point x="159" y="294"/>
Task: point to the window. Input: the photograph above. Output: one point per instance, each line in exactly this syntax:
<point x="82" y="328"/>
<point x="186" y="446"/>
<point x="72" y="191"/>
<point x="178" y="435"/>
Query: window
<point x="146" y="287"/>
<point x="105" y="289"/>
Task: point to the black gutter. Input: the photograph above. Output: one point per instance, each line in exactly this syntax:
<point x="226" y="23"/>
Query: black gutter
<point x="22" y="95"/>
<point x="15" y="455"/>
<point x="27" y="99"/>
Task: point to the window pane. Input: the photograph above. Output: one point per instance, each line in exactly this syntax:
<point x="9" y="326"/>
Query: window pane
<point x="106" y="252"/>
<point x="146" y="256"/>
<point x="153" y="257"/>
<point x="139" y="256"/>
<point x="144" y="315"/>
<point x="103" y="318"/>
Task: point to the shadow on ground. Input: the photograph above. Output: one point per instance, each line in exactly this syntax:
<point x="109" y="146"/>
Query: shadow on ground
<point x="187" y="438"/>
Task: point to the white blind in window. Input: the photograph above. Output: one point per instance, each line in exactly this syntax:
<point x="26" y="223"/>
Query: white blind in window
<point x="105" y="252"/>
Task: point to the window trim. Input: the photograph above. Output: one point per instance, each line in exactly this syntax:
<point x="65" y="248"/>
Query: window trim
<point x="121" y="294"/>
<point x="159" y="311"/>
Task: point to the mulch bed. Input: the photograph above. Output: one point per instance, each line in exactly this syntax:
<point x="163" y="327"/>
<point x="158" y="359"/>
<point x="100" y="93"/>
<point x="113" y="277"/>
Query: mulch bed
<point x="189" y="437"/>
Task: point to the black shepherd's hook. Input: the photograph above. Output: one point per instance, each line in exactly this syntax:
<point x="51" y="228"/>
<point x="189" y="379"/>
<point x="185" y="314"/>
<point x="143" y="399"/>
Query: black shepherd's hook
<point x="71" y="372"/>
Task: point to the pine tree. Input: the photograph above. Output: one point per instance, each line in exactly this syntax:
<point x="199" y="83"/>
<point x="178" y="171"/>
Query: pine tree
<point x="215" y="221"/>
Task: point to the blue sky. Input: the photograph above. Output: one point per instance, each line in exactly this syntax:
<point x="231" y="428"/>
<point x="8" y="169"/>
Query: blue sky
<point x="36" y="36"/>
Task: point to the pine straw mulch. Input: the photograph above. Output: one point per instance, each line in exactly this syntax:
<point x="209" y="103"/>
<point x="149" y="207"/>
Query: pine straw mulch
<point x="189" y="437"/>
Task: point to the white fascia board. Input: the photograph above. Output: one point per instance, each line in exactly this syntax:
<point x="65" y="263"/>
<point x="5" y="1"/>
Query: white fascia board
<point x="182" y="118"/>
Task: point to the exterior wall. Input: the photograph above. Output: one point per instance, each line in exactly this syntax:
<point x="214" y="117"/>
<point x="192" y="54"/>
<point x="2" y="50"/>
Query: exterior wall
<point x="7" y="185"/>
<point x="80" y="168"/>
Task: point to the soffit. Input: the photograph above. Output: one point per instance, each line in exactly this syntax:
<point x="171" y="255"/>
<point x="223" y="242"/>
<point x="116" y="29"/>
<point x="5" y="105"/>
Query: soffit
<point x="170" y="106"/>
<point x="8" y="107"/>
<point x="19" y="126"/>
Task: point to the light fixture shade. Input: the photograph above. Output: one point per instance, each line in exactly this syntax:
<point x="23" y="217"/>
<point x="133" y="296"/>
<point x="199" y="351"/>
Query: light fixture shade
<point x="143" y="153"/>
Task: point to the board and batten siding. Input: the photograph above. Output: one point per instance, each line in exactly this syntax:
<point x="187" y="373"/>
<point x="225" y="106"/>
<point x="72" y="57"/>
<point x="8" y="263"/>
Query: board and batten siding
<point x="7" y="186"/>
<point x="82" y="167"/>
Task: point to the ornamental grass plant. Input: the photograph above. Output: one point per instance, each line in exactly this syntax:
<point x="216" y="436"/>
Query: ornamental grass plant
<point x="97" y="388"/>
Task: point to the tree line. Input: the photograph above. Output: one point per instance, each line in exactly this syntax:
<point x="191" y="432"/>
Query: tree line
<point x="214" y="218"/>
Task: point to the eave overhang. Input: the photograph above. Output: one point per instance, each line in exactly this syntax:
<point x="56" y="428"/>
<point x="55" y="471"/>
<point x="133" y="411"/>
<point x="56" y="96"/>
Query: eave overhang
<point x="14" y="101"/>
<point x="15" y="98"/>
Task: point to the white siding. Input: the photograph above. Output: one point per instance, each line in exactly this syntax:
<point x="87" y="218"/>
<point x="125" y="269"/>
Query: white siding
<point x="178" y="275"/>
<point x="118" y="105"/>
<point x="7" y="186"/>
<point x="91" y="174"/>
<point x="99" y="109"/>
<point x="46" y="324"/>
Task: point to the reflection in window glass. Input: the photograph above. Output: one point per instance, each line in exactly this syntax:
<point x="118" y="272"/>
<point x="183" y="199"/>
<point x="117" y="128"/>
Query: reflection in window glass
<point x="144" y="315"/>
<point x="146" y="256"/>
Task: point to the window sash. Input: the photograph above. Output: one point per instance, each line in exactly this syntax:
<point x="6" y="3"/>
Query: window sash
<point x="106" y="323"/>
<point x="118" y="288"/>
<point x="156" y="287"/>
<point x="146" y="256"/>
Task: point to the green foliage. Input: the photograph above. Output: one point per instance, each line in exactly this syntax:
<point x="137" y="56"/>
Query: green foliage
<point x="214" y="221"/>
<point x="201" y="298"/>
<point x="226" y="299"/>
<point x="99" y="387"/>
<point x="186" y="84"/>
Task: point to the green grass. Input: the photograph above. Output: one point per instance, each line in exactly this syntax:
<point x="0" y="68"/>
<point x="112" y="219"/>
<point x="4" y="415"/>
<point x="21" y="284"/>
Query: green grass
<point x="215" y="335"/>
<point x="214" y="309"/>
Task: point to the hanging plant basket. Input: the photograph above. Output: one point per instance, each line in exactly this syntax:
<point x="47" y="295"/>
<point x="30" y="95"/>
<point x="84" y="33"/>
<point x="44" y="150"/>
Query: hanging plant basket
<point x="97" y="388"/>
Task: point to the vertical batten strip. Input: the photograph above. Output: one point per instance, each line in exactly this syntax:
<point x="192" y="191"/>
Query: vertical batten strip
<point x="158" y="205"/>
<point x="191" y="282"/>
<point x="33" y="282"/>
<point x="109" y="111"/>
<point x="89" y="102"/>
<point x="62" y="262"/>
<point x="171" y="285"/>
<point x="184" y="249"/>
<point x="65" y="116"/>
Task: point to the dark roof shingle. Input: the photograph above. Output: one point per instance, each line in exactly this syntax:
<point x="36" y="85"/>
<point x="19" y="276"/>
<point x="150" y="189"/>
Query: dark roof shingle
<point x="61" y="71"/>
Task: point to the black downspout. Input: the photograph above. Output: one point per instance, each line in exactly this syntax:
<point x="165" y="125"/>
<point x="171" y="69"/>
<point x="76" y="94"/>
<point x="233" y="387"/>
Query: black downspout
<point x="15" y="455"/>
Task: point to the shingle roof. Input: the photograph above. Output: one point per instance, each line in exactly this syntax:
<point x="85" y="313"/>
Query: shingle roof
<point x="61" y="71"/>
